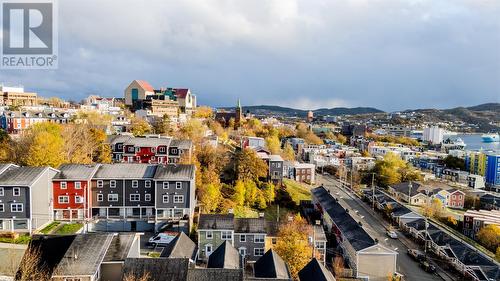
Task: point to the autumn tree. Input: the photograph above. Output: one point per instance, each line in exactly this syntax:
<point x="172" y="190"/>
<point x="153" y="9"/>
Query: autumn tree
<point x="45" y="145"/>
<point x="288" y="152"/>
<point x="273" y="144"/>
<point x="210" y="198"/>
<point x="489" y="237"/>
<point x="341" y="138"/>
<point x="249" y="167"/>
<point x="269" y="193"/>
<point x="250" y="193"/>
<point x="139" y="127"/>
<point x="293" y="246"/>
<point x="433" y="209"/>
<point x="239" y="193"/>
<point x="193" y="129"/>
<point x="163" y="126"/>
<point x="392" y="170"/>
<point x="203" y="112"/>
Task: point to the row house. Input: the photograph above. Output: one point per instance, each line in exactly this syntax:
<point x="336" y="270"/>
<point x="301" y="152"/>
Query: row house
<point x="247" y="235"/>
<point x="275" y="170"/>
<point x="475" y="220"/>
<point x="17" y="122"/>
<point x="141" y="196"/>
<point x="71" y="189"/>
<point x="25" y="197"/>
<point x="418" y="194"/>
<point x="149" y="149"/>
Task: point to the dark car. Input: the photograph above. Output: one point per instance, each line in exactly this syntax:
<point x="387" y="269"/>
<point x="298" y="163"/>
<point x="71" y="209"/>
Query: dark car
<point x="425" y="265"/>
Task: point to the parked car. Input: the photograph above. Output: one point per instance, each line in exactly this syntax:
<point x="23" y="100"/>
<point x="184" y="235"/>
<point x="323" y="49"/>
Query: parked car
<point x="161" y="239"/>
<point x="416" y="254"/>
<point x="427" y="266"/>
<point x="392" y="234"/>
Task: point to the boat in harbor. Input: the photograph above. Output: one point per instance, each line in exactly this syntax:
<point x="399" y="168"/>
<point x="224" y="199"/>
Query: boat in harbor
<point x="490" y="137"/>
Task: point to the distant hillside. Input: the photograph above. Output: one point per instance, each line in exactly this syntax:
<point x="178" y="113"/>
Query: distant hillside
<point x="486" y="107"/>
<point x="291" y="112"/>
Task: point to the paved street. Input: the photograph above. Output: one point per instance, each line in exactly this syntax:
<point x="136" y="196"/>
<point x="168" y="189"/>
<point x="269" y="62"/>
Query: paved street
<point x="405" y="264"/>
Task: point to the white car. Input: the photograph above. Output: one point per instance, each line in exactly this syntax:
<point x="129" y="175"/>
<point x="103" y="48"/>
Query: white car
<point x="161" y="239"/>
<point x="392" y="234"/>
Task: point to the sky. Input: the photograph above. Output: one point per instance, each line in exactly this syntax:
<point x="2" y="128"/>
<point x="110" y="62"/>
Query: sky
<point x="307" y="54"/>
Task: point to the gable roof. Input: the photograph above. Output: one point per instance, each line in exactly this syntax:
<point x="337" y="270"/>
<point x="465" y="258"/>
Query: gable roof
<point x="216" y="221"/>
<point x="271" y="265"/>
<point x="125" y="171"/>
<point x="250" y="225"/>
<point x="114" y="139"/>
<point x="85" y="255"/>
<point x="315" y="271"/>
<point x="181" y="93"/>
<point x="145" y="85"/>
<point x="148" y="141"/>
<point x="75" y="172"/>
<point x="182" y="144"/>
<point x="175" y="171"/>
<point x="24" y="176"/>
<point x="351" y="230"/>
<point x="160" y="269"/>
<point x="4" y="167"/>
<point x="225" y="256"/>
<point x="404" y="188"/>
<point x="219" y="274"/>
<point x="180" y="247"/>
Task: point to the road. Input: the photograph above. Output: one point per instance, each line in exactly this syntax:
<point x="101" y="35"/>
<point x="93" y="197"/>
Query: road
<point x="405" y="264"/>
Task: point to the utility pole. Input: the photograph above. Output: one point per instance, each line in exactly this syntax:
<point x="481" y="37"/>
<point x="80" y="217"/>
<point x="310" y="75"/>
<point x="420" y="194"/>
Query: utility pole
<point x="410" y="186"/>
<point x="425" y="242"/>
<point x="373" y="191"/>
<point x="351" y="178"/>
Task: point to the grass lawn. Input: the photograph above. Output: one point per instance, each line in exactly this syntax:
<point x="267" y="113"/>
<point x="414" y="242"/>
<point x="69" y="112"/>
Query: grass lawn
<point x="297" y="190"/>
<point x="69" y="228"/>
<point x="49" y="228"/>
<point x="22" y="239"/>
<point x="245" y="212"/>
<point x="271" y="213"/>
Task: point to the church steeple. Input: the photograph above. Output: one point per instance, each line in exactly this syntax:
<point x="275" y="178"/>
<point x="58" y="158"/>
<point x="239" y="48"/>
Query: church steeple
<point x="239" y="104"/>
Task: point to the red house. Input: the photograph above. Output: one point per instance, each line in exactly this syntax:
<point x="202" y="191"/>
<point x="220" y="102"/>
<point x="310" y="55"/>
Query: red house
<point x="71" y="190"/>
<point x="146" y="150"/>
<point x="456" y="199"/>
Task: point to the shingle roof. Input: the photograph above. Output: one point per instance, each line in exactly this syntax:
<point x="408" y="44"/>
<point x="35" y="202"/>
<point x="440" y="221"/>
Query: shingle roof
<point x="85" y="255"/>
<point x="23" y="176"/>
<point x="274" y="157"/>
<point x="125" y="170"/>
<point x="250" y="225"/>
<point x="180" y="247"/>
<point x="211" y="274"/>
<point x="75" y="172"/>
<point x="4" y="167"/>
<point x="315" y="271"/>
<point x="225" y="256"/>
<point x="175" y="171"/>
<point x="271" y="265"/>
<point x="351" y="230"/>
<point x="182" y="144"/>
<point x="120" y="247"/>
<point x="114" y="139"/>
<point x="159" y="269"/>
<point x="181" y="93"/>
<point x="216" y="221"/>
<point x="404" y="188"/>
<point x="148" y="141"/>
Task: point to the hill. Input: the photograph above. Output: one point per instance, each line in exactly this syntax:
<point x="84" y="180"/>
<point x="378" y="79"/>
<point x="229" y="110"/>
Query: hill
<point x="292" y="112"/>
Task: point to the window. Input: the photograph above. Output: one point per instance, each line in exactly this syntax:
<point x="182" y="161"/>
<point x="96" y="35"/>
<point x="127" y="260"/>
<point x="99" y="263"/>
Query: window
<point x="78" y="185"/>
<point x="165" y="198"/>
<point x="138" y="158"/>
<point x="243" y="238"/>
<point x="161" y="149"/>
<point x="64" y="185"/>
<point x="258" y="252"/>
<point x="148" y="184"/>
<point x="130" y="159"/>
<point x="16" y="191"/>
<point x="135" y="184"/>
<point x="119" y="146"/>
<point x="178" y="198"/>
<point x="153" y="150"/>
<point x="112" y="183"/>
<point x="147" y="197"/>
<point x="209" y="235"/>
<point x="259" y="238"/>
<point x="16" y="207"/>
<point x="113" y="197"/>
<point x="78" y="199"/>
<point x="131" y="149"/>
<point x="63" y="199"/>
<point x="100" y="184"/>
<point x="174" y="151"/>
<point x="226" y="235"/>
<point x="99" y="197"/>
<point x="1" y="191"/>
<point x="278" y="165"/>
<point x="2" y="208"/>
<point x="243" y="251"/>
<point x="165" y="185"/>
<point x="208" y="249"/>
<point x="135" y="197"/>
<point x="178" y="185"/>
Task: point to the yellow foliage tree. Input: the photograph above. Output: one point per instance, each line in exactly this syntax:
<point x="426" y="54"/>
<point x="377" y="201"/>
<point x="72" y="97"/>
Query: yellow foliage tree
<point x="273" y="144"/>
<point x="288" y="152"/>
<point x="46" y="145"/>
<point x="139" y="127"/>
<point x="489" y="237"/>
<point x="203" y="112"/>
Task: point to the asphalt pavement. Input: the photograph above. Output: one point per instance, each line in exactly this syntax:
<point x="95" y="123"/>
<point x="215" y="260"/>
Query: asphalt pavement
<point x="405" y="264"/>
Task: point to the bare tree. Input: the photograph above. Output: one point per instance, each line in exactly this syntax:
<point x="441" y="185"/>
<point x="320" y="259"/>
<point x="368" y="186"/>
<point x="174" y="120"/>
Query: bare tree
<point x="132" y="277"/>
<point x="32" y="267"/>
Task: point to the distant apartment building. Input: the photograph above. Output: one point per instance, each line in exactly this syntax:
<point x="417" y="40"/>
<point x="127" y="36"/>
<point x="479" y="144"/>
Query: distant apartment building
<point x="475" y="161"/>
<point x="149" y="149"/>
<point x="399" y="131"/>
<point x="26" y="200"/>
<point x="475" y="220"/>
<point x="15" y="122"/>
<point x="433" y="135"/>
<point x="139" y="94"/>
<point x="16" y="96"/>
<point x="493" y="172"/>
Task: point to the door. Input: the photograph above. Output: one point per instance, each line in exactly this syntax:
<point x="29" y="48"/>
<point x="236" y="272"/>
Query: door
<point x="135" y="94"/>
<point x="133" y="226"/>
<point x="102" y="212"/>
